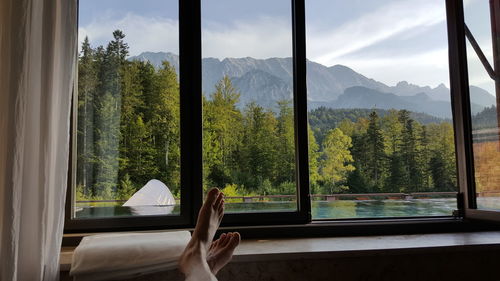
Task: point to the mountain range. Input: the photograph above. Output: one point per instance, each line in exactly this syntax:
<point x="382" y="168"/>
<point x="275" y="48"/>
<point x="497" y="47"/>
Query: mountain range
<point x="266" y="81"/>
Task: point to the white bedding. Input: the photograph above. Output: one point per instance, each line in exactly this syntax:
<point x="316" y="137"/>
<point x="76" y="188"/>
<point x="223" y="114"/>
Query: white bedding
<point x="126" y="255"/>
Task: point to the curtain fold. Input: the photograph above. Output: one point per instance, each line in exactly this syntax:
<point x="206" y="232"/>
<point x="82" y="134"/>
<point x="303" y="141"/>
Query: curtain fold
<point x="38" y="41"/>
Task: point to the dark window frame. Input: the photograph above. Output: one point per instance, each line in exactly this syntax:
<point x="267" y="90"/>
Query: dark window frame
<point x="287" y="224"/>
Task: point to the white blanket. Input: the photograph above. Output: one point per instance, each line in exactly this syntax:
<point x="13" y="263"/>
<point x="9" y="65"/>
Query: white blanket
<point x="126" y="255"/>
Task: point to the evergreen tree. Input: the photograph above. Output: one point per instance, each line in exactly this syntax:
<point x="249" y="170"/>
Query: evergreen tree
<point x="360" y="180"/>
<point x="87" y="76"/>
<point x="376" y="157"/>
<point x="107" y="115"/>
<point x="165" y="124"/>
<point x="424" y="157"/>
<point x="412" y="177"/>
<point x="258" y="149"/>
<point x="440" y="176"/>
<point x="285" y="146"/>
<point x="222" y="119"/>
<point x="314" y="155"/>
<point x="397" y="177"/>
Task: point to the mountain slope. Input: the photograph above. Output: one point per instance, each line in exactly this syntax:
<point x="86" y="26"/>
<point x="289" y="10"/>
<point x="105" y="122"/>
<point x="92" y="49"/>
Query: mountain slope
<point x="266" y="81"/>
<point x="362" y="97"/>
<point x="262" y="88"/>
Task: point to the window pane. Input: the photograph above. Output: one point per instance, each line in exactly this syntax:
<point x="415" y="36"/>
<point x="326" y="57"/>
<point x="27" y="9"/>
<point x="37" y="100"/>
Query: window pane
<point x="485" y="132"/>
<point x="128" y="150"/>
<point x="248" y="129"/>
<point x="381" y="138"/>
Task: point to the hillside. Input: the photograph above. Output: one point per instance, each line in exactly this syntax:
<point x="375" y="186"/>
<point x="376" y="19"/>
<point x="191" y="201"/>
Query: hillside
<point x="323" y="119"/>
<point x="266" y="81"/>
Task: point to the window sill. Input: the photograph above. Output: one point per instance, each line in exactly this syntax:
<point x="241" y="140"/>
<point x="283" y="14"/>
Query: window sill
<point x="258" y="250"/>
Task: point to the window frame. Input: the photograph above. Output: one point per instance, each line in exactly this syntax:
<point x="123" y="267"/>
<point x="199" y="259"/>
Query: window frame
<point x="462" y="116"/>
<point x="299" y="223"/>
<point x="191" y="128"/>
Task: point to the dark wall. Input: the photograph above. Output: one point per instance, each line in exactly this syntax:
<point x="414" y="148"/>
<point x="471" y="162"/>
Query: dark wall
<point x="469" y="263"/>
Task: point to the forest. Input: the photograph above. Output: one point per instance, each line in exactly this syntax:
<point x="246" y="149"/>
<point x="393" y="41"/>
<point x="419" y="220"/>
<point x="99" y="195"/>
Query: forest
<point x="128" y="133"/>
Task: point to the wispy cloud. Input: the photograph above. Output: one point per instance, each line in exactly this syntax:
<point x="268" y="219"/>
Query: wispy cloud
<point x="424" y="68"/>
<point x="142" y="33"/>
<point x="263" y="37"/>
<point x="385" y="22"/>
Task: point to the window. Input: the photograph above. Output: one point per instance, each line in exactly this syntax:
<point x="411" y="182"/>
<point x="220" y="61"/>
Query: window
<point x="128" y="145"/>
<point x="482" y="22"/>
<point x="186" y="95"/>
<point x="381" y="141"/>
<point x="248" y="128"/>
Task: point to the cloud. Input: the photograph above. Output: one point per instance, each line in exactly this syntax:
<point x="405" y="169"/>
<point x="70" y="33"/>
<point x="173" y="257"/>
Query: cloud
<point x="263" y="37"/>
<point x="383" y="23"/>
<point x="424" y="68"/>
<point x="142" y="33"/>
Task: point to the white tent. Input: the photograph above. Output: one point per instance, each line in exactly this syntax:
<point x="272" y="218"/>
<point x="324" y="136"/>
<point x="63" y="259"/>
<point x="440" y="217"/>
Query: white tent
<point x="153" y="194"/>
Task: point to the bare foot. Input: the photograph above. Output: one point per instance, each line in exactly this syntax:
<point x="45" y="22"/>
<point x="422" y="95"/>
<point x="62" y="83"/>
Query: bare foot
<point x="193" y="261"/>
<point x="209" y="217"/>
<point x="221" y="251"/>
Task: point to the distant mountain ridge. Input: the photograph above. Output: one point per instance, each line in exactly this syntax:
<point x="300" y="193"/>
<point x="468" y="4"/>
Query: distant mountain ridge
<point x="266" y="81"/>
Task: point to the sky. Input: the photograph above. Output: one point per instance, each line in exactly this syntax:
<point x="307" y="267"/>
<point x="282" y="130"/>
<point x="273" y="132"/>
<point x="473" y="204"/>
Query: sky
<point x="387" y="40"/>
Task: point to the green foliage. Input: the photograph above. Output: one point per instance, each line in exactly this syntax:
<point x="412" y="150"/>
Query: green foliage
<point x="129" y="132"/>
<point x="337" y="159"/>
<point x="485" y="119"/>
<point x="128" y="122"/>
<point x="127" y="188"/>
<point x="222" y="132"/>
<point x="375" y="150"/>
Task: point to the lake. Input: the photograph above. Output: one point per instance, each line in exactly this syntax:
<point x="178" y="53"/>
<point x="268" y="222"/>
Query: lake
<point x="337" y="209"/>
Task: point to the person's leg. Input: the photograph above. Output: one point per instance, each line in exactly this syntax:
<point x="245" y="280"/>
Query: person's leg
<point x="193" y="261"/>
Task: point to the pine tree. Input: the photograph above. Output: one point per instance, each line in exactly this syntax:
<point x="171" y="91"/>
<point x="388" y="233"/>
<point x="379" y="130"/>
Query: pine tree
<point x="412" y="177"/>
<point x="314" y="155"/>
<point x="376" y="157"/>
<point x="165" y="125"/>
<point x="258" y="158"/>
<point x="285" y="146"/>
<point x="107" y="115"/>
<point x="222" y="119"/>
<point x="440" y="176"/>
<point x="424" y="157"/>
<point x="87" y="84"/>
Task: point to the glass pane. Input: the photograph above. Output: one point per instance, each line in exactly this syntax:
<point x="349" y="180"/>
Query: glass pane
<point x="128" y="150"/>
<point x="381" y="139"/>
<point x="484" y="100"/>
<point x="248" y="129"/>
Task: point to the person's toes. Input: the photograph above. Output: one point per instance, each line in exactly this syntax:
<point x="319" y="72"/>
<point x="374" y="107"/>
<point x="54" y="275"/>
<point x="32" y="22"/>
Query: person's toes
<point x="220" y="211"/>
<point x="212" y="195"/>
<point x="223" y="237"/>
<point x="219" y="200"/>
<point x="226" y="241"/>
<point x="235" y="240"/>
<point x="232" y="242"/>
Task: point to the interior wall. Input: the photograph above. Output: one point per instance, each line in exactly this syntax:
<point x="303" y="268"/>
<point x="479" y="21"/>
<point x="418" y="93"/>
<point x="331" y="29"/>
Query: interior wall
<point x="422" y="265"/>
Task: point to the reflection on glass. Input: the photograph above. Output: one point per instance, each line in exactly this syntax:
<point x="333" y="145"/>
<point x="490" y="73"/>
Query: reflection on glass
<point x="128" y="146"/>
<point x="483" y="66"/>
<point x="381" y="140"/>
<point x="248" y="120"/>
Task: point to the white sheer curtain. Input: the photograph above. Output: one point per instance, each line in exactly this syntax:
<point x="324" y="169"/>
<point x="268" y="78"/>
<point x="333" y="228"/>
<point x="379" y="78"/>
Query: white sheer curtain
<point x="37" y="57"/>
